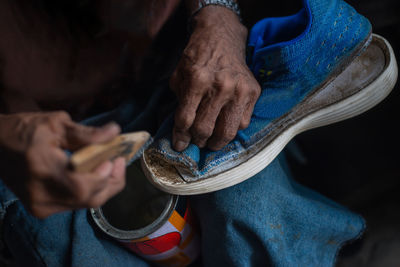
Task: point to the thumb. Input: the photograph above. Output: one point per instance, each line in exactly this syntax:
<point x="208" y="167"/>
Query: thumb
<point x="79" y="135"/>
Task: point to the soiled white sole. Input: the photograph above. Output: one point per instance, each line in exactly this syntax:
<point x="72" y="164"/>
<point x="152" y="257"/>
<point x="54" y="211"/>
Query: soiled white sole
<point x="369" y="95"/>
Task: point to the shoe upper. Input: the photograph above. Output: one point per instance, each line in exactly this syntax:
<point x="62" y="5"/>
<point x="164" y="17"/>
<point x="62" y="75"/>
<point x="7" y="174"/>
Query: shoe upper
<point x="290" y="57"/>
<point x="291" y="69"/>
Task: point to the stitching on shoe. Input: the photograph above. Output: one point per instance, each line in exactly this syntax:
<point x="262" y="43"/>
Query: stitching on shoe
<point x="346" y="25"/>
<point x="346" y="29"/>
<point x="339" y="15"/>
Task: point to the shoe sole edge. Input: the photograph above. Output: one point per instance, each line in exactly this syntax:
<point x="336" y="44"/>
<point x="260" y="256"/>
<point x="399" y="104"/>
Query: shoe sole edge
<point x="347" y="108"/>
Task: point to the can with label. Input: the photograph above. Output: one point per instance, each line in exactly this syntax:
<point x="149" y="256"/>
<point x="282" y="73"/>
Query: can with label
<point x="155" y="225"/>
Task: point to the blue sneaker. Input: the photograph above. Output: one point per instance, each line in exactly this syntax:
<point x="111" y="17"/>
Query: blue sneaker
<point x="317" y="67"/>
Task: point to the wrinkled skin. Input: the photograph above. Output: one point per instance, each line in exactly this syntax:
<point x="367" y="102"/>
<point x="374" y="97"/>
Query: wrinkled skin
<point x="216" y="90"/>
<point x="35" y="165"/>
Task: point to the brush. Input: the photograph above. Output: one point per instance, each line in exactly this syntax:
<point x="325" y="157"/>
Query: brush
<point x="130" y="146"/>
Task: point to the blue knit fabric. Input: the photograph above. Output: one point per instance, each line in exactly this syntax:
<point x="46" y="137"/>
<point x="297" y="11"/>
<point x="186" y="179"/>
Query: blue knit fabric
<point x="290" y="57"/>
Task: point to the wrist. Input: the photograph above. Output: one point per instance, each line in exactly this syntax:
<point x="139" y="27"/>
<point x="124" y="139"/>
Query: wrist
<point x="232" y="5"/>
<point x="220" y="17"/>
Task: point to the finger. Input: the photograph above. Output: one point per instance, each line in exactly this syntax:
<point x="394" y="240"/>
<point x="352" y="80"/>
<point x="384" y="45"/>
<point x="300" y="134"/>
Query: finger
<point x="254" y="91"/>
<point x="78" y="135"/>
<point x="206" y="116"/>
<point x="184" y="117"/>
<point x="190" y="94"/>
<point x="224" y="89"/>
<point x="248" y="111"/>
<point x="103" y="170"/>
<point x="47" y="166"/>
<point x="119" y="170"/>
<point x="115" y="184"/>
<point x="56" y="120"/>
<point x="55" y="189"/>
<point x="99" y="193"/>
<point x="180" y="138"/>
<point x="82" y="186"/>
<point x="50" y="129"/>
<point x="226" y="126"/>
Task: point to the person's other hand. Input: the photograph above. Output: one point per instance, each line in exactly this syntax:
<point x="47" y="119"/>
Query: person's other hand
<point x="215" y="88"/>
<point x="35" y="166"/>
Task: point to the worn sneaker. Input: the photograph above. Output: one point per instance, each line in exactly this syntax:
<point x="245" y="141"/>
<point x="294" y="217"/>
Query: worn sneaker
<point x="317" y="67"/>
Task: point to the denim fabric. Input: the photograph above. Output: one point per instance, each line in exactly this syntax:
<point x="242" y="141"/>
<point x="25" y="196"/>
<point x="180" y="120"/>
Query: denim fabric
<point x="65" y="239"/>
<point x="268" y="219"/>
<point x="290" y="57"/>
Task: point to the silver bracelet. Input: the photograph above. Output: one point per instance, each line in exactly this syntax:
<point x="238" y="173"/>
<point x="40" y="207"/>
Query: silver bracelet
<point x="232" y="5"/>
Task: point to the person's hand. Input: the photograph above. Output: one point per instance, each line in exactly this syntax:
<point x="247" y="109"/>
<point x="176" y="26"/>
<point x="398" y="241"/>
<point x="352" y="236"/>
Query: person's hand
<point x="216" y="90"/>
<point x="35" y="166"/>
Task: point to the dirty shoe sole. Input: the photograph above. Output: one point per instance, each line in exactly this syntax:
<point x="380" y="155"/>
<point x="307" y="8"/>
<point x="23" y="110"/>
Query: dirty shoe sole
<point x="365" y="82"/>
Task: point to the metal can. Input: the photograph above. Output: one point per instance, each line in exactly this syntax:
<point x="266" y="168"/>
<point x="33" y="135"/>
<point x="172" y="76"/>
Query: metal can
<point x="155" y="225"/>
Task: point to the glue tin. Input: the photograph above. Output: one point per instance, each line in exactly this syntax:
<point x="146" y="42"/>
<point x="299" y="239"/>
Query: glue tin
<point x="155" y="225"/>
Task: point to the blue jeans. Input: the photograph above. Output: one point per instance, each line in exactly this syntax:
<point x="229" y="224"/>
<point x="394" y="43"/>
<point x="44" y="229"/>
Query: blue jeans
<point x="267" y="220"/>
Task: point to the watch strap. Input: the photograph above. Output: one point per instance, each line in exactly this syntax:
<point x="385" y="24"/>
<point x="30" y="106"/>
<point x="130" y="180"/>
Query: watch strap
<point x="232" y="5"/>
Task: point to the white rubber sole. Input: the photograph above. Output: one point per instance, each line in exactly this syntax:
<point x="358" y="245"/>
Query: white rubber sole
<point x="364" y="99"/>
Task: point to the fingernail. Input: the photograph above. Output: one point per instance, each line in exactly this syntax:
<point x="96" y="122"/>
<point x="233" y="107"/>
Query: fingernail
<point x="180" y="145"/>
<point x="111" y="126"/>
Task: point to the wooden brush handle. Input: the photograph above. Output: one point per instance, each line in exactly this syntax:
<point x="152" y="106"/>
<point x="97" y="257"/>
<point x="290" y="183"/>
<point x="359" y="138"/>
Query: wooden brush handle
<point x="124" y="145"/>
